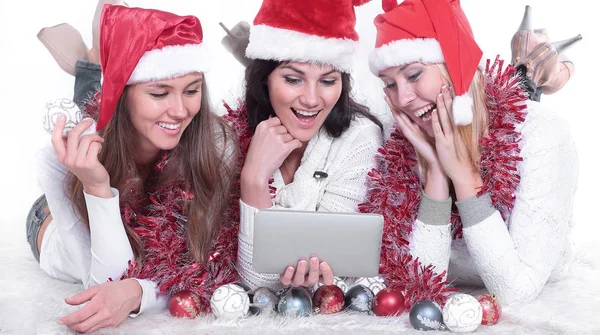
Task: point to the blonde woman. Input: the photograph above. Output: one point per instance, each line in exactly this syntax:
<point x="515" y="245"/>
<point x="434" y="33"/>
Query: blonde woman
<point x="509" y="166"/>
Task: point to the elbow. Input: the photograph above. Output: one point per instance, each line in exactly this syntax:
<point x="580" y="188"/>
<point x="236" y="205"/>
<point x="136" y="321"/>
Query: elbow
<point x="518" y="291"/>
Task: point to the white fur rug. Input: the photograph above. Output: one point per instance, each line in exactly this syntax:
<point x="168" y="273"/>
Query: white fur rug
<point x="30" y="303"/>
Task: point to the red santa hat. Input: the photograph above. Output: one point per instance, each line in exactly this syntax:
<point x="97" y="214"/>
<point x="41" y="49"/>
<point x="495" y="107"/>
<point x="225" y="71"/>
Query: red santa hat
<point x="141" y="45"/>
<point x="306" y="31"/>
<point x="429" y="31"/>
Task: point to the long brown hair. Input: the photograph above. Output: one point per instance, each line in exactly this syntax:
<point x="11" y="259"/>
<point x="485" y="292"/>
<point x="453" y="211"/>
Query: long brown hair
<point x="205" y="157"/>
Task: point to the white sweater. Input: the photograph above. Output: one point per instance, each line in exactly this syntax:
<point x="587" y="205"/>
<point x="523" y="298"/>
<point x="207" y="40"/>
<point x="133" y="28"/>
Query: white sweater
<point x="346" y="160"/>
<point x="513" y="259"/>
<point x="69" y="251"/>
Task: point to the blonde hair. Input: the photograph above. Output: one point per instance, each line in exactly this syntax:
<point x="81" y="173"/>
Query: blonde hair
<point x="472" y="133"/>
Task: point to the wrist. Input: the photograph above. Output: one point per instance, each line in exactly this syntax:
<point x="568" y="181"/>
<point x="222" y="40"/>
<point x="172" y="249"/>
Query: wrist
<point x="436" y="184"/>
<point x="252" y="179"/>
<point x="467" y="186"/>
<point x="99" y="191"/>
<point x="137" y="296"/>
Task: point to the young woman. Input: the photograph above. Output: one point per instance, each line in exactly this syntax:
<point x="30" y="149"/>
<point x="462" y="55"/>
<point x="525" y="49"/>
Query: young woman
<point x="145" y="194"/>
<point x="308" y="144"/>
<point x="508" y="165"/>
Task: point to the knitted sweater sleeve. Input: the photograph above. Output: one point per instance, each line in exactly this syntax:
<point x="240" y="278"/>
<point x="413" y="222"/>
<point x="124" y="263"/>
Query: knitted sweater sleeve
<point x="431" y="235"/>
<point x="93" y="256"/>
<point x="516" y="259"/>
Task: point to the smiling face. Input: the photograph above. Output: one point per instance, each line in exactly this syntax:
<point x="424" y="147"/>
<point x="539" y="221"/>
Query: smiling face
<point x="413" y="89"/>
<point x="302" y="96"/>
<point x="160" y="111"/>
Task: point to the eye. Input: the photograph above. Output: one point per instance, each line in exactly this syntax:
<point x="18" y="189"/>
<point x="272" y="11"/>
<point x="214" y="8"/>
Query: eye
<point x="413" y="77"/>
<point x="159" y="95"/>
<point x="292" y="80"/>
<point x="389" y="86"/>
<point x="191" y="92"/>
<point x="329" y="82"/>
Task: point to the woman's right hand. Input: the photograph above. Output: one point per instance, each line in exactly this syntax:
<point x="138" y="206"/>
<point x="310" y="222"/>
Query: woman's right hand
<point x="436" y="183"/>
<point x="415" y="135"/>
<point x="80" y="155"/>
<point x="298" y="277"/>
<point x="270" y="146"/>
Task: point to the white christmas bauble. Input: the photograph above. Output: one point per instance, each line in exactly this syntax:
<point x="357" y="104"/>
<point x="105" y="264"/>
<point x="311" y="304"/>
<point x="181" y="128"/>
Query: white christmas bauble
<point x="462" y="313"/>
<point x="337" y="281"/>
<point x="376" y="284"/>
<point x="230" y="301"/>
<point x="64" y="107"/>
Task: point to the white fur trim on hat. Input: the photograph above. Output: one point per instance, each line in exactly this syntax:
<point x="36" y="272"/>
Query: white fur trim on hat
<point x="400" y="52"/>
<point x="170" y="62"/>
<point x="462" y="109"/>
<point x="270" y="43"/>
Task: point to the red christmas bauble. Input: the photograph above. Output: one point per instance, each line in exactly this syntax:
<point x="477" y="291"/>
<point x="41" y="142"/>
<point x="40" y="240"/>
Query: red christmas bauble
<point x="184" y="304"/>
<point x="388" y="302"/>
<point x="328" y="299"/>
<point x="492" y="310"/>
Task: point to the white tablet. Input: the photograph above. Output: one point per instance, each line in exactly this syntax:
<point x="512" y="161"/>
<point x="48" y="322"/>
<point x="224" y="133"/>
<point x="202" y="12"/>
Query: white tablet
<point x="349" y="242"/>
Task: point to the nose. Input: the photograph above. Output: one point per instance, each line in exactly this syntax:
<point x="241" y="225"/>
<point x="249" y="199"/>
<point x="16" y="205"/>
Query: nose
<point x="177" y="109"/>
<point x="310" y="96"/>
<point x="405" y="95"/>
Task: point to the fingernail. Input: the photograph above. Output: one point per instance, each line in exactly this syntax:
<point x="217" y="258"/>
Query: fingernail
<point x="59" y="321"/>
<point x="62" y="117"/>
<point x="440" y="95"/>
<point x="314" y="260"/>
<point x="290" y="268"/>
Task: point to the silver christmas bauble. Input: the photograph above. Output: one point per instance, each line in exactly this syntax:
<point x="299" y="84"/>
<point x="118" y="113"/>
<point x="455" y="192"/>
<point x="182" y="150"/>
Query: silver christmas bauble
<point x="462" y="313"/>
<point x="375" y="284"/>
<point x="295" y="301"/>
<point x="262" y="301"/>
<point x="426" y="315"/>
<point x="359" y="299"/>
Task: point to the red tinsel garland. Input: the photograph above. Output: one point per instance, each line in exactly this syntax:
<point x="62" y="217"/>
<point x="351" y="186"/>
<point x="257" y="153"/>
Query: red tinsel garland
<point x="395" y="187"/>
<point x="163" y="231"/>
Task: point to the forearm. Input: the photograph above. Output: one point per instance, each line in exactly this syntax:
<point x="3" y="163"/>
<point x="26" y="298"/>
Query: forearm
<point x="248" y="276"/>
<point x="515" y="274"/>
<point x="110" y="246"/>
<point x="431" y="237"/>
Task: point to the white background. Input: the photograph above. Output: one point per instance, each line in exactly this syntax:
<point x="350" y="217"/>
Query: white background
<point x="29" y="78"/>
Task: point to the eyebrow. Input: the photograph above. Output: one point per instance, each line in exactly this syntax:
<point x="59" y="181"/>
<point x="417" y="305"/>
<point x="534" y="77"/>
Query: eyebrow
<point x="163" y="85"/>
<point x="402" y="68"/>
<point x="291" y="67"/>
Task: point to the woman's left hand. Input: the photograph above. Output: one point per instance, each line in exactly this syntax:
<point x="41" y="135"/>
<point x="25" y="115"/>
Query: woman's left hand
<point x="109" y="304"/>
<point x="454" y="157"/>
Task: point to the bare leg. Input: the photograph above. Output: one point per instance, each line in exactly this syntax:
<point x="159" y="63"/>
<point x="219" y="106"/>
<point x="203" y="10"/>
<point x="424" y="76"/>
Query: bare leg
<point x="40" y="236"/>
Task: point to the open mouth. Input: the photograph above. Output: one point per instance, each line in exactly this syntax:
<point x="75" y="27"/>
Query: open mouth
<point x="305" y="116"/>
<point x="169" y="126"/>
<point x="424" y="113"/>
